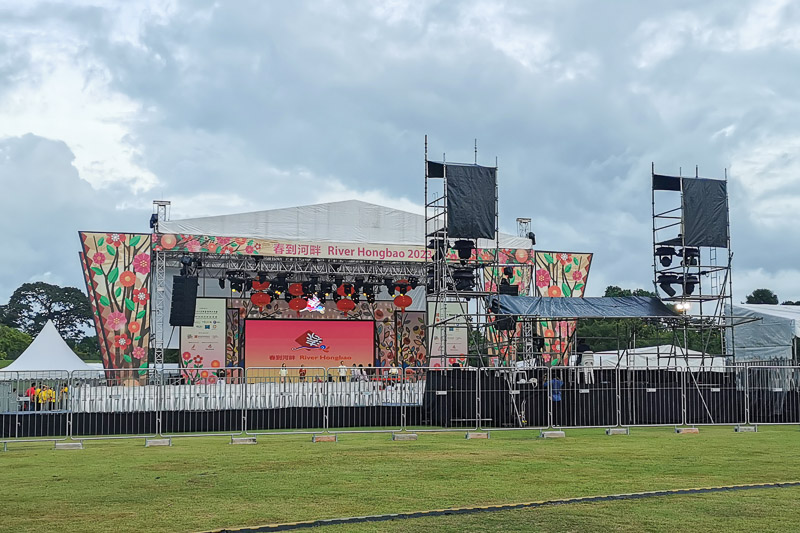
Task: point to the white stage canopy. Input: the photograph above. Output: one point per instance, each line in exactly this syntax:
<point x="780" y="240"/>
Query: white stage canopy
<point x="769" y="338"/>
<point x="47" y="352"/>
<point x="349" y="221"/>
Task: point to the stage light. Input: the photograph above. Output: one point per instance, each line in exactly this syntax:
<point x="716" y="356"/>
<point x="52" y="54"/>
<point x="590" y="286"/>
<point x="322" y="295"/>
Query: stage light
<point x="464" y="279"/>
<point x="439" y="247"/>
<point x="413" y="281"/>
<point x="508" y="271"/>
<point x="689" y="284"/>
<point x="665" y="281"/>
<point x="356" y="298"/>
<point x="262" y="277"/>
<point x="280" y="284"/>
<point x="221" y="283"/>
<point x="153" y="220"/>
<point x="532" y="237"/>
<point x="464" y="249"/>
<point x="664" y="254"/>
<point x="237" y="285"/>
<point x="338" y="280"/>
<point x="389" y="284"/>
<point x="691" y="256"/>
<point x="358" y="283"/>
<point x="309" y="288"/>
<point x="288" y="297"/>
<point x="326" y="288"/>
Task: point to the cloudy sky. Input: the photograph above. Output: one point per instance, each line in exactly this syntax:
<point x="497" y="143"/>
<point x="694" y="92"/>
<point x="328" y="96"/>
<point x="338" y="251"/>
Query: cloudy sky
<point x="224" y="107"/>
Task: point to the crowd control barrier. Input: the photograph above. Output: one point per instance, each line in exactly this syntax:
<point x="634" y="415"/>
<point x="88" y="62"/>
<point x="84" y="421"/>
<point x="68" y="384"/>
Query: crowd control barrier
<point x="138" y="403"/>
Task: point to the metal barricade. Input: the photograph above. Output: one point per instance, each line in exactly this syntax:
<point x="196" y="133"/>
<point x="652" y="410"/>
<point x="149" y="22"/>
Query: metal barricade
<point x="773" y="394"/>
<point x="34" y="406"/>
<point x="715" y="396"/>
<point x="118" y="403"/>
<point x="583" y="396"/>
<point x="444" y="399"/>
<point x="203" y="402"/>
<point x="651" y="397"/>
<point x="366" y="399"/>
<point x="513" y="398"/>
<point x="288" y="400"/>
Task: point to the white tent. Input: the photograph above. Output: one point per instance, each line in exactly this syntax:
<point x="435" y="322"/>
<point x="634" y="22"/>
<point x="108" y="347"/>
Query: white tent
<point x="349" y="221"/>
<point x="47" y="352"/>
<point x="663" y="356"/>
<point x="772" y="336"/>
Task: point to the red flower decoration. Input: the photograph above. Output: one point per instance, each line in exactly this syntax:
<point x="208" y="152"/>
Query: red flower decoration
<point x="133" y="327"/>
<point x="554" y="291"/>
<point x="122" y="342"/>
<point x="141" y="263"/>
<point x="542" y="278"/>
<point x="198" y="360"/>
<point x="127" y="278"/>
<point x="115" y="239"/>
<point x="564" y="258"/>
<point x="140" y="296"/>
<point x="187" y="356"/>
<point x="99" y="258"/>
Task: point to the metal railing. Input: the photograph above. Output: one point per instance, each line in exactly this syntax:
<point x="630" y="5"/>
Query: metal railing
<point x="258" y="401"/>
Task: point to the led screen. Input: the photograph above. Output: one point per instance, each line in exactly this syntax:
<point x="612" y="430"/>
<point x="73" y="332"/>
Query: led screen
<point x="313" y="343"/>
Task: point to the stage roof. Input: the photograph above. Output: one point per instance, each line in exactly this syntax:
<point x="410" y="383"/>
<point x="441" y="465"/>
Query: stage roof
<point x="590" y="307"/>
<point x="349" y="221"/>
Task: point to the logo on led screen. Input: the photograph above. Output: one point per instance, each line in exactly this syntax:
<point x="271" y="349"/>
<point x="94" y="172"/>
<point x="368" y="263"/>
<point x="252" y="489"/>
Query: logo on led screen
<point x="314" y="305"/>
<point x="310" y="341"/>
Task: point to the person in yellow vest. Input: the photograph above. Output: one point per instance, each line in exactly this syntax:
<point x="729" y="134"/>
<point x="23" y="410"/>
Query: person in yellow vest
<point x="51" y="397"/>
<point x="41" y="397"/>
<point x="64" y="392"/>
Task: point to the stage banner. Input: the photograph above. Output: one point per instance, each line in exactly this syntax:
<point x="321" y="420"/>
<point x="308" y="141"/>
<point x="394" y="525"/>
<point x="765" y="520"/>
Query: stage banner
<point x="450" y="338"/>
<point x="313" y="250"/>
<point x="313" y="343"/>
<point x="556" y="275"/>
<point x="521" y="263"/>
<point x="203" y="345"/>
<point x="117" y="274"/>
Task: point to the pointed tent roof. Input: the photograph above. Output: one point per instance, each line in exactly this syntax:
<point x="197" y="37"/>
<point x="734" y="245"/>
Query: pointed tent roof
<point x="47" y="352"/>
<point x="349" y="221"/>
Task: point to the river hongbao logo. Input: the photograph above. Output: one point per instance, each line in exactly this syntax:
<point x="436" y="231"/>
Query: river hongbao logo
<point x="310" y="341"/>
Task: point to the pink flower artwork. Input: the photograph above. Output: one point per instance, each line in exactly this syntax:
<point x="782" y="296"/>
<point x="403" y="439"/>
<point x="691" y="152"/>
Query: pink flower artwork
<point x="193" y="246"/>
<point x="116" y="320"/>
<point x="542" y="278"/>
<point x="577" y="275"/>
<point x="141" y="263"/>
<point x="99" y="258"/>
<point x="138" y="352"/>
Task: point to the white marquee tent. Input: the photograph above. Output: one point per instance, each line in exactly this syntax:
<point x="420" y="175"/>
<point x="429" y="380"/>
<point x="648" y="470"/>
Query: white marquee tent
<point x="774" y="335"/>
<point x="663" y="356"/>
<point x="47" y="352"/>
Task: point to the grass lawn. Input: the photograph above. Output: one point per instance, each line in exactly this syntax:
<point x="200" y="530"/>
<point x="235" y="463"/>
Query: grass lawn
<point x="205" y="483"/>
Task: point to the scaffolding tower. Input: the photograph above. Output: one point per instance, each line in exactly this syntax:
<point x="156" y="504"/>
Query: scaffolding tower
<point x="456" y="284"/>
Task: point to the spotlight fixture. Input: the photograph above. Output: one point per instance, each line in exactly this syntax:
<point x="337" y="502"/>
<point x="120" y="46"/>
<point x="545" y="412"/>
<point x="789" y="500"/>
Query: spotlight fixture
<point x="153" y="220"/>
<point x="665" y="281"/>
<point x="691" y="256"/>
<point x="439" y="247"/>
<point x="358" y="283"/>
<point x="508" y="271"/>
<point x="532" y="237"/>
<point x="464" y="249"/>
<point x="689" y="283"/>
<point x="221" y="283"/>
<point x="664" y="254"/>
<point x="464" y="279"/>
<point x="389" y="284"/>
<point x="326" y="288"/>
<point x="413" y="281"/>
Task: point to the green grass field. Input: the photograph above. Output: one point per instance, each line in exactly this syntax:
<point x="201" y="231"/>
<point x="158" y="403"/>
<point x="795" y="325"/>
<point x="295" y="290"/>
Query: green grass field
<point x="205" y="483"/>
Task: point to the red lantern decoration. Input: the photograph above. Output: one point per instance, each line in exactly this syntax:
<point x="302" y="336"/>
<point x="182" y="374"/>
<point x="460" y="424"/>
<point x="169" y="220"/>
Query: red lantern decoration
<point x="345" y="305"/>
<point x="260" y="285"/>
<point x="345" y="290"/>
<point x="402" y="301"/>
<point x="260" y="299"/>
<point x="296" y="289"/>
<point x="298" y="304"/>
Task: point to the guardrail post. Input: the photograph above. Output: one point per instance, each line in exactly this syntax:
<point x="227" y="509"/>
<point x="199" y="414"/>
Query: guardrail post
<point x="325" y="397"/>
<point x="618" y="390"/>
<point x="548" y="384"/>
<point x="682" y="374"/>
<point x="746" y="395"/>
<point x="244" y="396"/>
<point x="478" y="418"/>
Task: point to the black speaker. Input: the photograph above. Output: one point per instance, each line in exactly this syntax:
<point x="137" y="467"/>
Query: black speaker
<point x="184" y="300"/>
<point x="506" y="322"/>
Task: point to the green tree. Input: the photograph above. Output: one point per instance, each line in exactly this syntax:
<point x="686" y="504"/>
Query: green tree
<point x="762" y="296"/>
<point x="88" y="348"/>
<point x="614" y="291"/>
<point x="12" y="342"/>
<point x="789" y="302"/>
<point x="33" y="304"/>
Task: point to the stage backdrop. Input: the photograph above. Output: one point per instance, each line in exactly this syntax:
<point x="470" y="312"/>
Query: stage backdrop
<point x="313" y="343"/>
<point x="117" y="274"/>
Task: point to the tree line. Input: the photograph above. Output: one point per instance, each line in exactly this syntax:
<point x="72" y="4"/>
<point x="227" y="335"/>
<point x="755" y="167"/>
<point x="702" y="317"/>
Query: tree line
<point x="33" y="304"/>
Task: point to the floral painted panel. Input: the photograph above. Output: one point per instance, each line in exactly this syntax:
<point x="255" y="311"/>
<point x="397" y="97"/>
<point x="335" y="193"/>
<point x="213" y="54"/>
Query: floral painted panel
<point x="118" y="278"/>
<point x="559" y="274"/>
